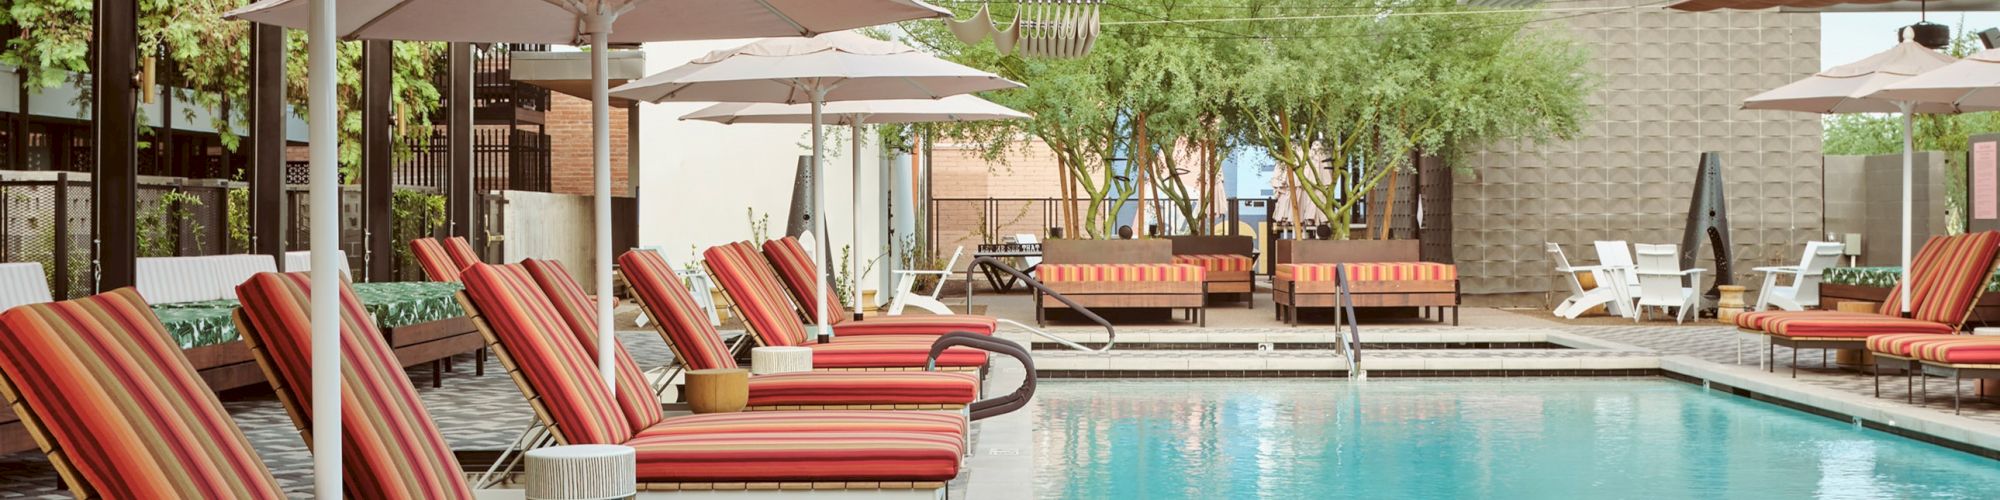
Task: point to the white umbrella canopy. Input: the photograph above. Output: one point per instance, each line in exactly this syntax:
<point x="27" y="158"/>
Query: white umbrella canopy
<point x="529" y="21"/>
<point x="958" y="108"/>
<point x="1852" y="88"/>
<point x="1971" y="84"/>
<point x="825" y="68"/>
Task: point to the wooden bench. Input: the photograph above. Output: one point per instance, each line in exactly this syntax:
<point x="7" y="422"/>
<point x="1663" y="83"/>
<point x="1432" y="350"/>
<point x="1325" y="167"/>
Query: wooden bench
<point x="1382" y="273"/>
<point x="1120" y="274"/>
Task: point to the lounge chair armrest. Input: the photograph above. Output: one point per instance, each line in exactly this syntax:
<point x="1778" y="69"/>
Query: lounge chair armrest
<point x="900" y="272"/>
<point x="1777" y="269"/>
<point x="1695" y="271"/>
<point x="1000" y="405"/>
<point x="1585" y="269"/>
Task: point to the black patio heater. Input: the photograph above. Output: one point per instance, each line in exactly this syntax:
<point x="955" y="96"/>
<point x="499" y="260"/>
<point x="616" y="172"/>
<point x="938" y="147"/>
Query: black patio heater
<point x="1708" y="216"/>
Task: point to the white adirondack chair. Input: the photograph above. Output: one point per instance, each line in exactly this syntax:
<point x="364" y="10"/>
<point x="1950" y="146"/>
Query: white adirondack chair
<point x="1608" y="291"/>
<point x="906" y="282"/>
<point x="1616" y="257"/>
<point x="23" y="283"/>
<point x="1803" y="292"/>
<point x="1661" y="281"/>
<point x="1028" y="263"/>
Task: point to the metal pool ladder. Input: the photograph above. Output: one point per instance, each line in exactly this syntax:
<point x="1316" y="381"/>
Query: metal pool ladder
<point x="1110" y="333"/>
<point x="1347" y="341"/>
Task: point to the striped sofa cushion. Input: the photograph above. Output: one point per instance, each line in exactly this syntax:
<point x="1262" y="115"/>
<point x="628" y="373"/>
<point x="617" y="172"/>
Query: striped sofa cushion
<point x="765" y="310"/>
<point x="1960" y="349"/>
<point x="1217" y="261"/>
<point x="795" y="267"/>
<point x="121" y="405"/>
<point x="846" y="388"/>
<point x="547" y="356"/>
<point x="437" y="263"/>
<point x="1958" y="276"/>
<point x="1071" y="273"/>
<point x="1901" y="344"/>
<point x="1370" y="271"/>
<point x="796" y="457"/>
<point x="694" y="341"/>
<point x="918" y="324"/>
<point x="461" y="252"/>
<point x="1855" y="325"/>
<point x="390" y="448"/>
<point x="635" y="392"/>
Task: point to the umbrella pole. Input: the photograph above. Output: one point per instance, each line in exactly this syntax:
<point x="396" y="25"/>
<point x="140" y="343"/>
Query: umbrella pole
<point x="1908" y="143"/>
<point x="820" y="257"/>
<point x="600" y="145"/>
<point x="854" y="264"/>
<point x="324" y="229"/>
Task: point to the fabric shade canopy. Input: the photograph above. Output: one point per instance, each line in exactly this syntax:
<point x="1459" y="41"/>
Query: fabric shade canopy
<point x="1848" y="88"/>
<point x="1971" y="84"/>
<point x="557" y="22"/>
<point x="1708" y="5"/>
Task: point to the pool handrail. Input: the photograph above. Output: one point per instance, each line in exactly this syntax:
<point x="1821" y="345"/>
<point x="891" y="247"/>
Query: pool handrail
<point x="996" y="406"/>
<point x="1110" y="332"/>
<point x="1349" y="344"/>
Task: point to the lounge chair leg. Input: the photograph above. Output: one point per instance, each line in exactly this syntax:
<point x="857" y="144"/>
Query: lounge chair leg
<point x="479" y="362"/>
<point x="1454" y="315"/>
<point x="1909" y="385"/>
<point x="1956" y="380"/>
<point x="437" y="374"/>
<point x="1924" y="394"/>
<point x="1877" y="375"/>
<point x="1795" y="361"/>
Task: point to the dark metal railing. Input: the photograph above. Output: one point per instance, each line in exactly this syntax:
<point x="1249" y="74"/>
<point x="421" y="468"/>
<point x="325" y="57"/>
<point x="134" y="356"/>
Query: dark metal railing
<point x="1110" y="332"/>
<point x="996" y="406"/>
<point x="1348" y="345"/>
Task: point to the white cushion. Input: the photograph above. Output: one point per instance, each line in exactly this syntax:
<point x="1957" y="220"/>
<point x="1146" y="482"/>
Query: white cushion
<point x="301" y="261"/>
<point x="166" y="280"/>
<point x="23" y="283"/>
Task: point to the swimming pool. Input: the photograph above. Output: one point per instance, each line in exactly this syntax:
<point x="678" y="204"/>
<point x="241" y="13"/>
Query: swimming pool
<point x="1459" y="438"/>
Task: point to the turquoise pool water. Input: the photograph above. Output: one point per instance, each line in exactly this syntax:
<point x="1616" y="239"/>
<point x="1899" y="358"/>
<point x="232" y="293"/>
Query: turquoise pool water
<point x="1483" y="438"/>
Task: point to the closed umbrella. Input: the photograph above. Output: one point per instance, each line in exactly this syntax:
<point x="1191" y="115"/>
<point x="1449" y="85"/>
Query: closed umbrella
<point x="1852" y="88"/>
<point x="827" y="68"/>
<point x="958" y="108"/>
<point x="531" y="21"/>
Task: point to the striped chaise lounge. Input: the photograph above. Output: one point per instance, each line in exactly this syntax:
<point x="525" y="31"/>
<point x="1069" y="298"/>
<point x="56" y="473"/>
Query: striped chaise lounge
<point x="461" y="252"/>
<point x="435" y="260"/>
<point x="1120" y="274"/>
<point x="1956" y="358"/>
<point x="1946" y="277"/>
<point x="118" y="409"/>
<point x="890" y="453"/>
<point x="760" y="301"/>
<point x="696" y="344"/>
<point x="387" y="415"/>
<point x="1380" y="273"/>
<point x="795" y="270"/>
<point x="1227" y="260"/>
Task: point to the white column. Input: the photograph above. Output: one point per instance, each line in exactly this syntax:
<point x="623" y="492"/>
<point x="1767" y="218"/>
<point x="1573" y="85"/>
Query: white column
<point x="854" y="219"/>
<point x="820" y="257"/>
<point x="1907" y="145"/>
<point x="599" y="27"/>
<point x="323" y="181"/>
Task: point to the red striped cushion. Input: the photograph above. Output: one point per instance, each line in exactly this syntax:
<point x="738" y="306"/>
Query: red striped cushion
<point x="1065" y="273"/>
<point x="1371" y="271"/>
<point x="635" y="393"/>
<point x="800" y="456"/>
<point x="1956" y="278"/>
<point x="1901" y="344"/>
<point x="122" y="405"/>
<point x="682" y="321"/>
<point x="461" y="252"/>
<point x="795" y="267"/>
<point x="928" y="422"/>
<point x="1960" y="349"/>
<point x="548" y="357"/>
<point x="847" y="388"/>
<point x="1857" y="325"/>
<point x="917" y="324"/>
<point x="1217" y="261"/>
<point x="390" y="448"/>
<point x="890" y="354"/>
<point x="436" y="262"/>
<point x="765" y="310"/>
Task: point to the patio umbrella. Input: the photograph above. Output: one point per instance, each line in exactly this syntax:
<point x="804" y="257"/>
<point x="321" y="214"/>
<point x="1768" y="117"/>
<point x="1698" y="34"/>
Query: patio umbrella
<point x="1971" y="84"/>
<point x="854" y="114"/>
<point x="826" y="68"/>
<point x="527" y="21"/>
<point x="1850" y="88"/>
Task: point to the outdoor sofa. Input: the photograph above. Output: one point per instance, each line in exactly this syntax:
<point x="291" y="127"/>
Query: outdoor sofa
<point x="1228" y="262"/>
<point x="1120" y="274"/>
<point x="1380" y="273"/>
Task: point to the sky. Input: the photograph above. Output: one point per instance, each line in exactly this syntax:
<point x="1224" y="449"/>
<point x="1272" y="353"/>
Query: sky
<point x="1849" y="37"/>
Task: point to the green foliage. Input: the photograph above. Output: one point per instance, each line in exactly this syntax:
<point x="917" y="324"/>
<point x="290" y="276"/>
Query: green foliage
<point x="238" y="217"/>
<point x="209" y="56"/>
<point x="1360" y="89"/>
<point x="413" y="214"/>
<point x="161" y="224"/>
<point x="760" y="225"/>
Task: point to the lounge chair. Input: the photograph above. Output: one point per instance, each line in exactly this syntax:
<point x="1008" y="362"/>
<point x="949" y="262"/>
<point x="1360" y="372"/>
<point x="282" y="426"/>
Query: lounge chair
<point x="1803" y="292"/>
<point x="1897" y="351"/>
<point x="1663" y="284"/>
<point x="1616" y="257"/>
<point x="461" y="252"/>
<point x="1607" y="292"/>
<point x="435" y="260"/>
<point x="275" y="315"/>
<point x="1947" y="278"/>
<point x="117" y="408"/>
<point x="760" y="301"/>
<point x="906" y="284"/>
<point x="794" y="267"/>
<point x="698" y="347"/>
<point x="1957" y="358"/>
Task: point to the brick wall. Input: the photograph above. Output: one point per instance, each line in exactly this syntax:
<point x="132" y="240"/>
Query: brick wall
<point x="1029" y="172"/>
<point x="569" y="149"/>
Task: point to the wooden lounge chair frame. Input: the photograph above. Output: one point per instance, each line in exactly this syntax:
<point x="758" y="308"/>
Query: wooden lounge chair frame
<point x="58" y="458"/>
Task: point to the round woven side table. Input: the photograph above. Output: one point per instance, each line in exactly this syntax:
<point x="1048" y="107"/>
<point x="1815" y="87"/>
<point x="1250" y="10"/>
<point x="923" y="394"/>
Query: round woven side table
<point x="718" y="390"/>
<point x="769" y="360"/>
<point x="582" y="472"/>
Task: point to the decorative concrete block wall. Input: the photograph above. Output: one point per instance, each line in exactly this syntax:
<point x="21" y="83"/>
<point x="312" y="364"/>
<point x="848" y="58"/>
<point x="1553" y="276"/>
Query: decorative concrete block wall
<point x="1670" y="85"/>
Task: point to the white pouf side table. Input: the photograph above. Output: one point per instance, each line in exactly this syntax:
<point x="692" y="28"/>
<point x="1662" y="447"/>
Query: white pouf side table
<point x="582" y="472"/>
<point x="769" y="360"/>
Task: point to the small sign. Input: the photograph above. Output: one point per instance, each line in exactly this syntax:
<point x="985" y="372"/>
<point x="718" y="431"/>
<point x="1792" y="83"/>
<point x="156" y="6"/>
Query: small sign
<point x="1985" y="192"/>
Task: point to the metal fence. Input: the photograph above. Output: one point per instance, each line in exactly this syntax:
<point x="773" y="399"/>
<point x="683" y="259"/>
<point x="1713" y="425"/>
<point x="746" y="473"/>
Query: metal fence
<point x="955" y="222"/>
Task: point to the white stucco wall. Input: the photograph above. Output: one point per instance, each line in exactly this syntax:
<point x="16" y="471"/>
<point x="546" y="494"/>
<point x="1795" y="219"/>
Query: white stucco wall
<point x="697" y="178"/>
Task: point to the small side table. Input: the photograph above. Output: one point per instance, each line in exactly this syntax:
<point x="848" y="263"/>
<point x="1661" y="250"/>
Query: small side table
<point x="1986" y="331"/>
<point x="769" y="360"/>
<point x="718" y="390"/>
<point x="582" y="472"/>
